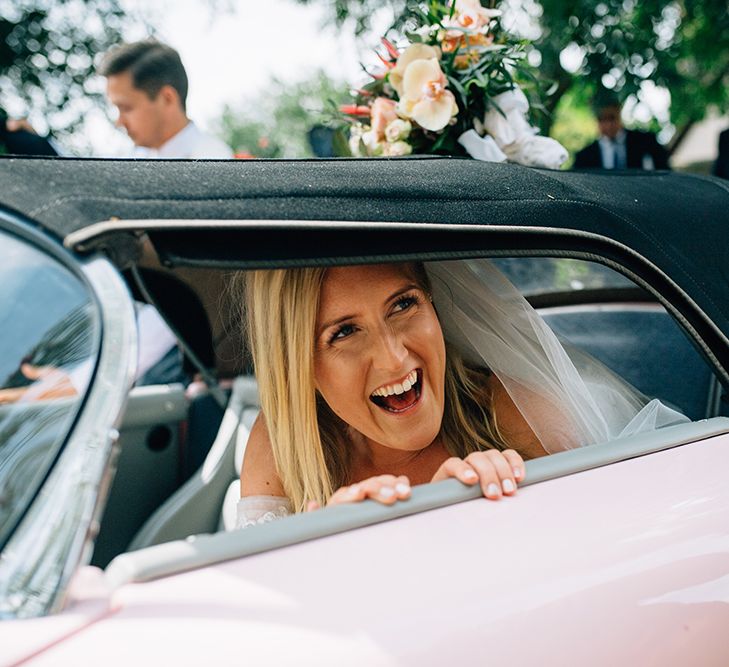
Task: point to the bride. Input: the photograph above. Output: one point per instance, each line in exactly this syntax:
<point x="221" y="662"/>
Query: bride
<point x="374" y="378"/>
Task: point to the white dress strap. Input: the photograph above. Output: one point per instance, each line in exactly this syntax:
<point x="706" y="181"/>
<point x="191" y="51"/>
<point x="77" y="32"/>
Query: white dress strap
<point x="255" y="510"/>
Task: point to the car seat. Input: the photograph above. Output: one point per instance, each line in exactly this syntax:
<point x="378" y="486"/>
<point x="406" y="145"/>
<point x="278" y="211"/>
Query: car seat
<point x="196" y="506"/>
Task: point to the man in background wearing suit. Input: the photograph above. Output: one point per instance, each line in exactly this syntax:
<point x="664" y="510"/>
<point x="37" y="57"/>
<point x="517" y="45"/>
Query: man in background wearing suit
<point x="618" y="148"/>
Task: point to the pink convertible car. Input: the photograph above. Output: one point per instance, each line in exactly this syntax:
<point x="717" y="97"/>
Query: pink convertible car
<point x="118" y="486"/>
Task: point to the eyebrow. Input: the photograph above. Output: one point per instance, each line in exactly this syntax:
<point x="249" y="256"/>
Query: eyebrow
<point x="344" y="318"/>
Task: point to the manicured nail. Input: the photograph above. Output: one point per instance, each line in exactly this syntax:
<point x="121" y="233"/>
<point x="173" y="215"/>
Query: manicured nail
<point x="508" y="486"/>
<point x="470" y="474"/>
<point x="493" y="490"/>
<point x="517" y="473"/>
<point x="402" y="489"/>
<point x="353" y="490"/>
<point x="386" y="492"/>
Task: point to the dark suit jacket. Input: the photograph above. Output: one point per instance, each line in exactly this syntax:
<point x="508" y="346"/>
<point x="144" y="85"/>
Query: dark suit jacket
<point x="24" y="143"/>
<point x="721" y="166"/>
<point x="637" y="145"/>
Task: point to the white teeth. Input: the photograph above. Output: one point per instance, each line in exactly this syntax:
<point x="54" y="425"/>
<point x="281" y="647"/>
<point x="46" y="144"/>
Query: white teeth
<point x="407" y="385"/>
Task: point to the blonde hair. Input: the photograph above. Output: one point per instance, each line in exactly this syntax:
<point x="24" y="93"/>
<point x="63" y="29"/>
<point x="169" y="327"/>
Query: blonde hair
<point x="309" y="441"/>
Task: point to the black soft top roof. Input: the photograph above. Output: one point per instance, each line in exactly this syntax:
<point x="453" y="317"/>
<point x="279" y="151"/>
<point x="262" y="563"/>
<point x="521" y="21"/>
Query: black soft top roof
<point x="669" y="230"/>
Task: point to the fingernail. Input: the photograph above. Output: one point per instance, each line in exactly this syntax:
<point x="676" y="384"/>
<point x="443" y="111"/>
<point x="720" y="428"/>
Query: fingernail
<point x="517" y="473"/>
<point x="470" y="474"/>
<point x="386" y="492"/>
<point x="493" y="490"/>
<point x="508" y="486"/>
<point x="402" y="489"/>
<point x="353" y="490"/>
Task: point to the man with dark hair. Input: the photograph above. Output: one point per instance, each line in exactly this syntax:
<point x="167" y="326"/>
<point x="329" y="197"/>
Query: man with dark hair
<point x="147" y="83"/>
<point x="618" y="148"/>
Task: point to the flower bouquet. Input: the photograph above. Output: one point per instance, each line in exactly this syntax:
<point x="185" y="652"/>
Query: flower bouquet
<point x="452" y="89"/>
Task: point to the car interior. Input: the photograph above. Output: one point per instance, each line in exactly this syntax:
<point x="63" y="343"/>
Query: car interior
<point x="181" y="454"/>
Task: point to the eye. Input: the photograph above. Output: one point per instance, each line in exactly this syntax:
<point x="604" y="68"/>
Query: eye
<point x="405" y="302"/>
<point x="342" y="332"/>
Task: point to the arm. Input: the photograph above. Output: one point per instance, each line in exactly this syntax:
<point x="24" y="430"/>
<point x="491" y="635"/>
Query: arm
<point x="258" y="475"/>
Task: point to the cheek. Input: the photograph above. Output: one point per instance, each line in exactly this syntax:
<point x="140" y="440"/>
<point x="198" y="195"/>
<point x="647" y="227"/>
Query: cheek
<point x="338" y="380"/>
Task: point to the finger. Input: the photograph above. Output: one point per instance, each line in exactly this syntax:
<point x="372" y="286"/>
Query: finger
<point x="347" y="494"/>
<point x="503" y="470"/>
<point x="458" y="468"/>
<point x="382" y="489"/>
<point x="488" y="476"/>
<point x="33" y="372"/>
<point x="517" y="464"/>
<point x="312" y="505"/>
<point x="402" y="487"/>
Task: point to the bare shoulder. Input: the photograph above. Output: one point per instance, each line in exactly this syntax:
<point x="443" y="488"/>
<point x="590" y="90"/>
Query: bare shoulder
<point x="259" y="476"/>
<point x="511" y="422"/>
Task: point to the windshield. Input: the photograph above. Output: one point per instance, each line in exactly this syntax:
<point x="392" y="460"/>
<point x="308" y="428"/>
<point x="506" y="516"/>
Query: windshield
<point x="51" y="337"/>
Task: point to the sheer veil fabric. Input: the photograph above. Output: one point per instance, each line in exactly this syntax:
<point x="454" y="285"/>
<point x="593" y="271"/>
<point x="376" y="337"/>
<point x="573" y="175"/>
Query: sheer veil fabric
<point x="568" y="398"/>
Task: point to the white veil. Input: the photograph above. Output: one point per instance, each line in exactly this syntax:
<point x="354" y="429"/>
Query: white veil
<point x="568" y="398"/>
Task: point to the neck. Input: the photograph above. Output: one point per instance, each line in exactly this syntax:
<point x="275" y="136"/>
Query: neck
<point x="373" y="459"/>
<point x="175" y="126"/>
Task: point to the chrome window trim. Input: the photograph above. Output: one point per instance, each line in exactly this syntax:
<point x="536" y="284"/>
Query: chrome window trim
<point x="56" y="535"/>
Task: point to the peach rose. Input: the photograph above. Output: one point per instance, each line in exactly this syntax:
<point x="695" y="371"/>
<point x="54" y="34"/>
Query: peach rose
<point x="381" y="115"/>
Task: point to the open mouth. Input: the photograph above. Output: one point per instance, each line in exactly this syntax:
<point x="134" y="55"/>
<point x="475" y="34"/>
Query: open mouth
<point x="399" y="397"/>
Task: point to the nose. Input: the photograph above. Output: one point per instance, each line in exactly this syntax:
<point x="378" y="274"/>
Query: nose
<point x="388" y="351"/>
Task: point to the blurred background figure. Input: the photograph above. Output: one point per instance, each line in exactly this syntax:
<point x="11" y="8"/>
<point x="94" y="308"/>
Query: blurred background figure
<point x="17" y="137"/>
<point x="147" y="83"/>
<point x="618" y="148"/>
<point x="721" y="166"/>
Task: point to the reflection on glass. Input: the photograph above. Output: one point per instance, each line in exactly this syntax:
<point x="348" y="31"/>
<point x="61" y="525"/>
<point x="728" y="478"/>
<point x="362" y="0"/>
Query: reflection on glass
<point x="545" y="275"/>
<point x="50" y="342"/>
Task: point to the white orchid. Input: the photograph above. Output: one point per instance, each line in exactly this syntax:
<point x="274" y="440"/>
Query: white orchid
<point x="411" y="54"/>
<point x="424" y="97"/>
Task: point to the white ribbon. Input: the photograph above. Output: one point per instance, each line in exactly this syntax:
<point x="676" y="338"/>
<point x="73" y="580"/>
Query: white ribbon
<point x="511" y="136"/>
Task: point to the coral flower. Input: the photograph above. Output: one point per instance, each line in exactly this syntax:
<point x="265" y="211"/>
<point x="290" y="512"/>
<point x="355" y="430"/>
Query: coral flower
<point x="425" y="98"/>
<point x="355" y="109"/>
<point x="411" y="54"/>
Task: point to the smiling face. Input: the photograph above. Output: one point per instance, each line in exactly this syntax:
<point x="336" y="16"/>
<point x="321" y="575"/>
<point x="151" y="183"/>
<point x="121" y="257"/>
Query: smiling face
<point x="380" y="355"/>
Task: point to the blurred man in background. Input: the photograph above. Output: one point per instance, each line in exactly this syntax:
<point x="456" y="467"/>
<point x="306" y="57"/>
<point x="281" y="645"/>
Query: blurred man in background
<point x="618" y="148"/>
<point x="147" y="83"/>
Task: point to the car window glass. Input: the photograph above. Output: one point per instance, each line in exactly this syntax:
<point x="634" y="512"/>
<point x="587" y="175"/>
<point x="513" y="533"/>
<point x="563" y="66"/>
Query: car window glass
<point x="629" y="332"/>
<point x="50" y="335"/>
<point x="543" y="275"/>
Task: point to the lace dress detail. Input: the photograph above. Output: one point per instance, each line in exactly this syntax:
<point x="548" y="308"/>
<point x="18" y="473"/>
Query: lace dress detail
<point x="255" y="510"/>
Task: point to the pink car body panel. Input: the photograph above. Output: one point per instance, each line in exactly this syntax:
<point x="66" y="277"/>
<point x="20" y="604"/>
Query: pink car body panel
<point x="625" y="564"/>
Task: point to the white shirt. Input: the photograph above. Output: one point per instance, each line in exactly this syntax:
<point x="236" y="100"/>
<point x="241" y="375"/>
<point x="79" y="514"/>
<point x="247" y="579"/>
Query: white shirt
<point x="189" y="142"/>
<point x="613" y="151"/>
